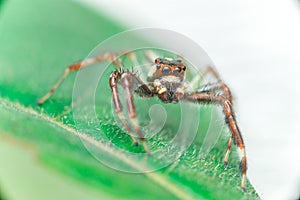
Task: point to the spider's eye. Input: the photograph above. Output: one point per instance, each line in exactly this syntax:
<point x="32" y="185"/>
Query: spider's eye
<point x="166" y="70"/>
<point x="158" y="66"/>
<point x="177" y="70"/>
<point x="184" y="68"/>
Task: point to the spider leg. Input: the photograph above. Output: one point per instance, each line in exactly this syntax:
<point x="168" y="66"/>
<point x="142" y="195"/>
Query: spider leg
<point x="218" y="88"/>
<point x="79" y="65"/>
<point x="229" y="145"/>
<point x="221" y="85"/>
<point x="127" y="79"/>
<point x="211" y="97"/>
<point x="113" y="83"/>
<point x="135" y="63"/>
<point x="142" y="90"/>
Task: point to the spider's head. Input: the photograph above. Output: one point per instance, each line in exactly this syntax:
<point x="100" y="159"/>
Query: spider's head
<point x="168" y="68"/>
<point x="167" y="78"/>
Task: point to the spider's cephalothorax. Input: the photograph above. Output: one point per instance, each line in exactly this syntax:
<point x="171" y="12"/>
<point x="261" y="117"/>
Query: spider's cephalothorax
<point x="167" y="79"/>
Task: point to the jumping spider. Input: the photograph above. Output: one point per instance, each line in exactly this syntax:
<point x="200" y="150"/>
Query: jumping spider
<point x="166" y="80"/>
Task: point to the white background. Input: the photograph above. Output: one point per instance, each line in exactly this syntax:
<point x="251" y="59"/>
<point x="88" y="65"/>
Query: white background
<point x="256" y="48"/>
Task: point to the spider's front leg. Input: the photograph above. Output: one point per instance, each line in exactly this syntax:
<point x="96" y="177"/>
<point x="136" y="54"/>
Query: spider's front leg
<point x="127" y="79"/>
<point x="113" y="83"/>
<point x="211" y="97"/>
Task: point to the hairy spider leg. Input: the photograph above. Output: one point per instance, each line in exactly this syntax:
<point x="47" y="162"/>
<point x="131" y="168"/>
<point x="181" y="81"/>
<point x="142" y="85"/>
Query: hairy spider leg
<point x="127" y="79"/>
<point x="228" y="96"/>
<point x="210" y="70"/>
<point x="211" y="97"/>
<point x="229" y="145"/>
<point x="135" y="64"/>
<point x="219" y="86"/>
<point x="142" y="90"/>
<point x="79" y="65"/>
<point x="113" y="83"/>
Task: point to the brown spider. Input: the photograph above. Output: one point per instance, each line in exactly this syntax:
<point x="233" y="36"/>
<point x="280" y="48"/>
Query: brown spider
<point x="167" y="82"/>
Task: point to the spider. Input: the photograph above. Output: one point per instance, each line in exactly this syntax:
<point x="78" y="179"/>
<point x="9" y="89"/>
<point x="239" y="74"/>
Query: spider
<point x="166" y="80"/>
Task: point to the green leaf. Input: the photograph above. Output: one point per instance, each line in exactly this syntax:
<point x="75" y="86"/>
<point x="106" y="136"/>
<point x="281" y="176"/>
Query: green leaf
<point x="41" y="153"/>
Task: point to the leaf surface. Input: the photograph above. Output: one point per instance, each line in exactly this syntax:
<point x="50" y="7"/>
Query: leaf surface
<point x="41" y="152"/>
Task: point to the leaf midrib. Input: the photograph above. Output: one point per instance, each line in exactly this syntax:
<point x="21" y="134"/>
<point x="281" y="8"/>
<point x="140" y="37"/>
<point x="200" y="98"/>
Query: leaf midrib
<point x="154" y="176"/>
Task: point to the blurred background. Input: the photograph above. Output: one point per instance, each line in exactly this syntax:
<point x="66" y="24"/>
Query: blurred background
<point x="256" y="48"/>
